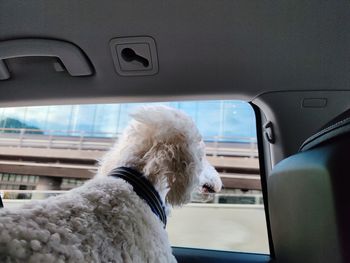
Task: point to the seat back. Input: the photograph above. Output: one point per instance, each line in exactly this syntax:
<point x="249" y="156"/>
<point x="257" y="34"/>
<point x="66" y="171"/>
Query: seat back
<point x="309" y="202"/>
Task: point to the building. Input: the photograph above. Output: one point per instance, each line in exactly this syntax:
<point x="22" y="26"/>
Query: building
<point x="56" y="147"/>
<point x="224" y="120"/>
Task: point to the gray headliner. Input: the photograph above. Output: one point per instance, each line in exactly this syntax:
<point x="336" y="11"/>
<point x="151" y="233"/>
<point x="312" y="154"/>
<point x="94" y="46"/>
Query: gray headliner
<point x="268" y="52"/>
<point x="206" y="48"/>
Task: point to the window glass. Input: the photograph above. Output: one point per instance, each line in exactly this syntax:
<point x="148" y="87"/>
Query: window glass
<point x="106" y="120"/>
<point x="123" y="117"/>
<point x="78" y="135"/>
<point x="18" y="178"/>
<point x="237" y="120"/>
<point x="32" y="179"/>
<point x="5" y="177"/>
<point x="13" y="119"/>
<point x="25" y="178"/>
<point x="59" y="120"/>
<point x="15" y="113"/>
<point x="210" y="121"/>
<point x="36" y="118"/>
<point x="83" y="120"/>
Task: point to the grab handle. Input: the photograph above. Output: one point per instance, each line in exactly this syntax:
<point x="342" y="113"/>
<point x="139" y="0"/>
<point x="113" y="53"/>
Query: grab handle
<point x="71" y="56"/>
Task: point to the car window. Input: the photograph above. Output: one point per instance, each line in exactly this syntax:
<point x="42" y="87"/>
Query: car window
<point x="47" y="150"/>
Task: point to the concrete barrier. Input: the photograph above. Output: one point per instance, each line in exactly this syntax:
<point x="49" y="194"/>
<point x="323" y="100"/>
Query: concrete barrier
<point x="220" y="227"/>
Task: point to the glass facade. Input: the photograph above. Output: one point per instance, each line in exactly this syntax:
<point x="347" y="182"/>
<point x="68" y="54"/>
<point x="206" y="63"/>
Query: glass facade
<point x="217" y="120"/>
<point x="18" y="181"/>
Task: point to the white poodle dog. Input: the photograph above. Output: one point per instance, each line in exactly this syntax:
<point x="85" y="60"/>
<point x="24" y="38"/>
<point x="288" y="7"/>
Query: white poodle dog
<point x="109" y="218"/>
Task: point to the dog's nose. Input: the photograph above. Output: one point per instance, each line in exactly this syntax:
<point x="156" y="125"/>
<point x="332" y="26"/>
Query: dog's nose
<point x="213" y="187"/>
<point x="208" y="189"/>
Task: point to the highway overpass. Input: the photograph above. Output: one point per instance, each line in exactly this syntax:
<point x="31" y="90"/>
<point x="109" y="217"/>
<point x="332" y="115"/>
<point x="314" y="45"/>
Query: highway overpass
<point x="53" y="157"/>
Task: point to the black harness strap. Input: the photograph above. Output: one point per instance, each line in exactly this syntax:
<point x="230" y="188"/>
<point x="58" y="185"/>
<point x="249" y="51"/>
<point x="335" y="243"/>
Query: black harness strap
<point x="143" y="188"/>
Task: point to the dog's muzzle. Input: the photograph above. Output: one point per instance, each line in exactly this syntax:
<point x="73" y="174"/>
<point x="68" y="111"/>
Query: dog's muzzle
<point x="143" y="188"/>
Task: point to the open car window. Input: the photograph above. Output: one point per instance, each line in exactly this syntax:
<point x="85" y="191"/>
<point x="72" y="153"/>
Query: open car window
<point x="49" y="149"/>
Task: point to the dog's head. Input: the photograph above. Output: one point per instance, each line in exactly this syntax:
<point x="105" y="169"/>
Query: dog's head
<point x="164" y="144"/>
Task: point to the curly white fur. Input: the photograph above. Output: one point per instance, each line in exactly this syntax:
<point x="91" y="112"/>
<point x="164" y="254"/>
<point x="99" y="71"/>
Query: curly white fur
<point x="104" y="220"/>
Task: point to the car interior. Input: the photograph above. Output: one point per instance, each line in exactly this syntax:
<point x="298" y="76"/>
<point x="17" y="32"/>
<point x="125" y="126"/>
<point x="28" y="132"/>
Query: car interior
<point x="288" y="59"/>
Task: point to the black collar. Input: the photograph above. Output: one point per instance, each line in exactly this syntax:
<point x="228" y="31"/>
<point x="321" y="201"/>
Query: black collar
<point x="143" y="188"/>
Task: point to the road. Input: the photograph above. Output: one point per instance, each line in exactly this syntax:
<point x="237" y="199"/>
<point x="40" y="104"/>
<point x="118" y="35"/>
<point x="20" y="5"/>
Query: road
<point x="221" y="227"/>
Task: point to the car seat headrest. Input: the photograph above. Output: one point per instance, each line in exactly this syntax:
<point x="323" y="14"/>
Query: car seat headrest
<point x="338" y="126"/>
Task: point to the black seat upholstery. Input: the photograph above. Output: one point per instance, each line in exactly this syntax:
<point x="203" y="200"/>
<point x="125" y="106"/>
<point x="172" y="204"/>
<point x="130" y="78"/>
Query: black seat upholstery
<point x="310" y="199"/>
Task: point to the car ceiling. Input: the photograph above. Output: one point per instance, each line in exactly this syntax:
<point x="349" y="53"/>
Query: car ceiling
<point x="222" y="48"/>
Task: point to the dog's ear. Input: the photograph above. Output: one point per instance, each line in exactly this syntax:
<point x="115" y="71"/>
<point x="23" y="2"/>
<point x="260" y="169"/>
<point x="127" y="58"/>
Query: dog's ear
<point x="171" y="152"/>
<point x="176" y="165"/>
<point x="186" y="170"/>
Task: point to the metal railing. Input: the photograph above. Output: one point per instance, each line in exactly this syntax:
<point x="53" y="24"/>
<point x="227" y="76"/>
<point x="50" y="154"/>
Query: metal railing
<point x="102" y="141"/>
<point x="22" y="196"/>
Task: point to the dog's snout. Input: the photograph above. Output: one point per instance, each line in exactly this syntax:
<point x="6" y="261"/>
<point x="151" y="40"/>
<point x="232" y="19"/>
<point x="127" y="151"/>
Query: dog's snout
<point x="210" y="181"/>
<point x="206" y="188"/>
